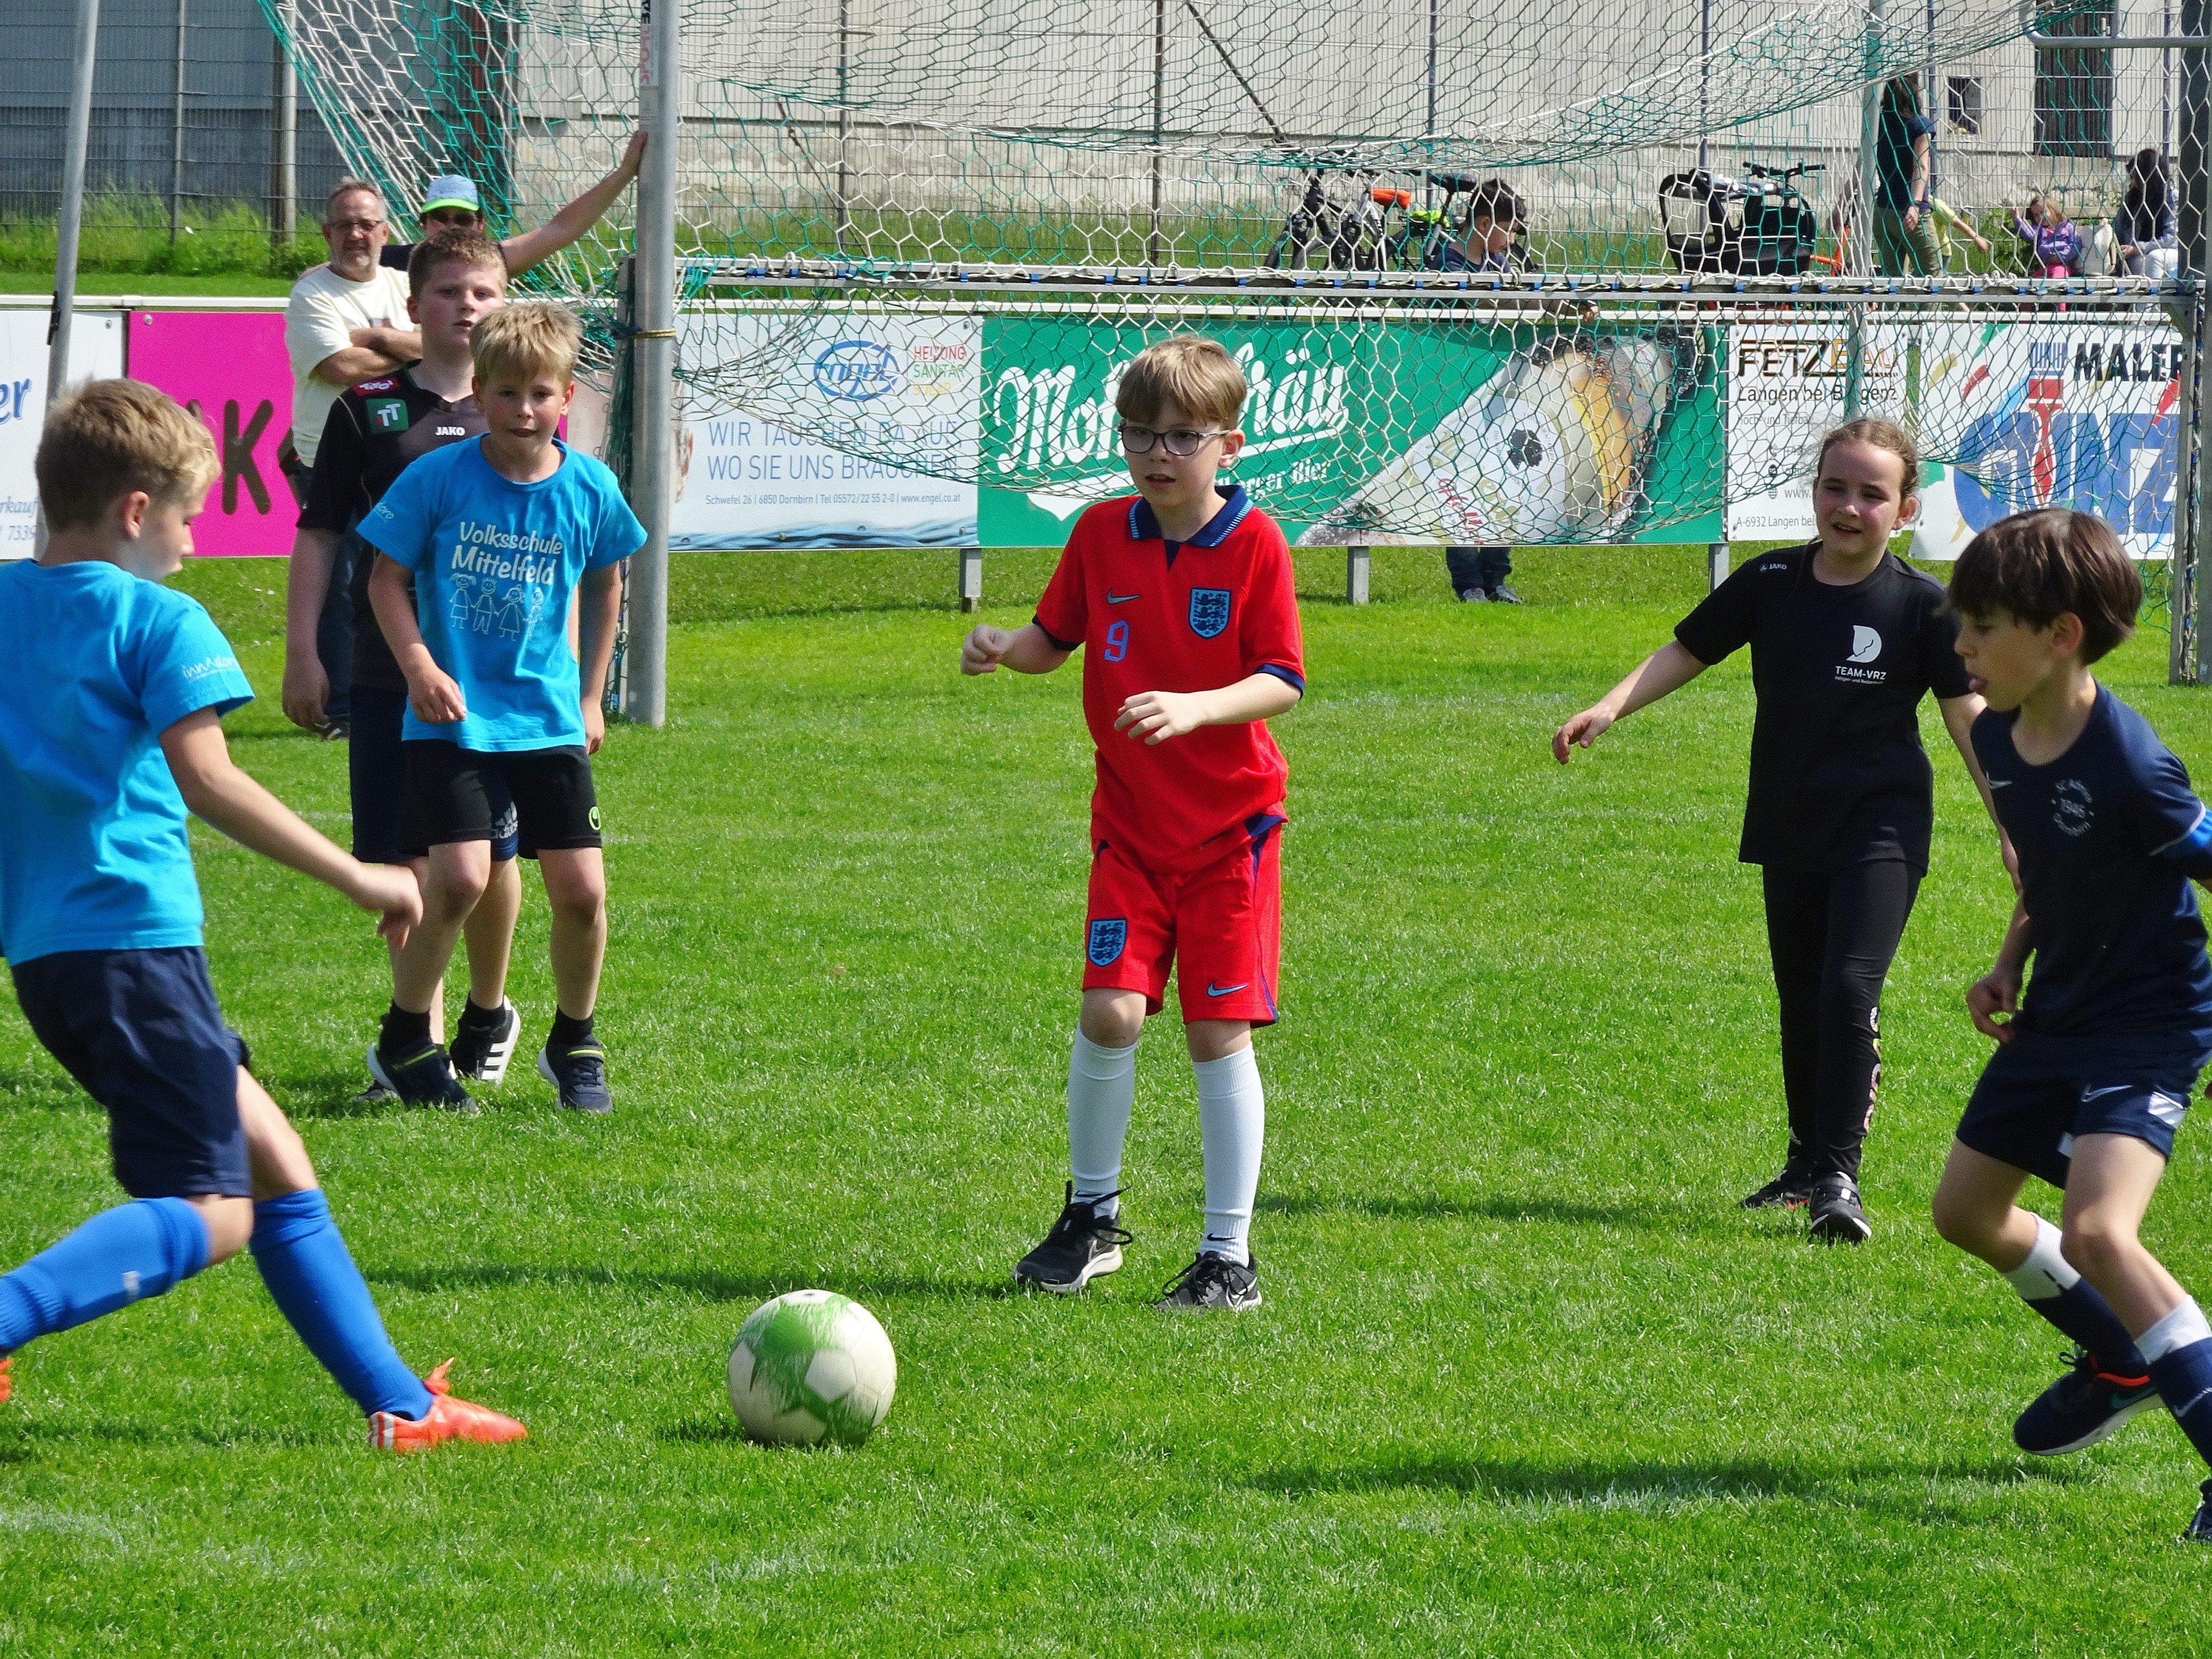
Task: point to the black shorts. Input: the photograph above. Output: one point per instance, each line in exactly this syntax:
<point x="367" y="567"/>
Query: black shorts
<point x="2039" y="1094"/>
<point x="141" y="1031"/>
<point x="387" y="827"/>
<point x="459" y="794"/>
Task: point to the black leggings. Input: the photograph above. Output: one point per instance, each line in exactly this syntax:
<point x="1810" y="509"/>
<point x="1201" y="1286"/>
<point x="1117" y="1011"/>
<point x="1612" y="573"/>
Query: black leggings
<point x="1833" y="936"/>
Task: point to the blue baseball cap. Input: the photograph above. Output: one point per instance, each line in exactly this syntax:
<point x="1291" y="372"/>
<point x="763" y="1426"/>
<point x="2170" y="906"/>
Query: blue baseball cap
<point x="453" y="191"/>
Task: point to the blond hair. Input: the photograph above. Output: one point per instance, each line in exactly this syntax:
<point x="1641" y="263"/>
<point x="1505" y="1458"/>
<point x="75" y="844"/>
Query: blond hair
<point x="534" y="338"/>
<point x="107" y="439"/>
<point x="1881" y="434"/>
<point x="1191" y="371"/>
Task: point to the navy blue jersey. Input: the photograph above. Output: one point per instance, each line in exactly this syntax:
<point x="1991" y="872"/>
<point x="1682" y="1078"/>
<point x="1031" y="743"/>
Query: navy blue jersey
<point x="2108" y="834"/>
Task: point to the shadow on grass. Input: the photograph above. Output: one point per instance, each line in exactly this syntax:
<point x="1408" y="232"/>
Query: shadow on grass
<point x="704" y="1431"/>
<point x="704" y="1284"/>
<point x="1632" y="1485"/>
<point x="1501" y="1207"/>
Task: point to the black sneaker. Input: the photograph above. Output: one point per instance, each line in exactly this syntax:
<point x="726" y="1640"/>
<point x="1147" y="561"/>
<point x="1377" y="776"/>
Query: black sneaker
<point x="2081" y="1408"/>
<point x="484" y="1041"/>
<point x="1836" y="1217"/>
<point x="579" y="1073"/>
<point x="1786" y="1191"/>
<point x="2200" y="1529"/>
<point x="422" y="1076"/>
<point x="1214" y="1281"/>
<point x="1082" y="1246"/>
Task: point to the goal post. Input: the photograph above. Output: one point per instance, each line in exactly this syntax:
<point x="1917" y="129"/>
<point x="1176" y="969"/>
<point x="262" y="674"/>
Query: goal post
<point x="651" y="380"/>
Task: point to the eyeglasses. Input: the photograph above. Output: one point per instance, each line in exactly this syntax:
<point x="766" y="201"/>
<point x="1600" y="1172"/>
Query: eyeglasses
<point x="1139" y="440"/>
<point x="365" y="225"/>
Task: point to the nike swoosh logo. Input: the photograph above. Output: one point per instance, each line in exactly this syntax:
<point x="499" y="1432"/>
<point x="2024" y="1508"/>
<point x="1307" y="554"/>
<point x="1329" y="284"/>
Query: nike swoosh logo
<point x="1213" y="990"/>
<point x="2098" y="1094"/>
<point x="1112" y="598"/>
<point x="1999" y="783"/>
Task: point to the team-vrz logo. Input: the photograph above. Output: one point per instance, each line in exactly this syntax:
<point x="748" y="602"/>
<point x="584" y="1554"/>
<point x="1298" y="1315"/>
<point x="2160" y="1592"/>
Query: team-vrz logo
<point x="2072" y="811"/>
<point x="1209" y="611"/>
<point x="1866" y="646"/>
<point x="1108" y="935"/>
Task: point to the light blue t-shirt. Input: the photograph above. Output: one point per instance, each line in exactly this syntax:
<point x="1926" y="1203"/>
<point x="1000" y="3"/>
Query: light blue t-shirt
<point x="95" y="664"/>
<point x="495" y="564"/>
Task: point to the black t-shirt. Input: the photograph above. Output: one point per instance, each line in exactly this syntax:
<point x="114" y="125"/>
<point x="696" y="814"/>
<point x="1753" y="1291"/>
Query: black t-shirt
<point x="1838" y="774"/>
<point x="2108" y="834"/>
<point x="374" y="430"/>
<point x="396" y="254"/>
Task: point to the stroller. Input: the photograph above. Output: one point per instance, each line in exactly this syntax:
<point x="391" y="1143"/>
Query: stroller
<point x="1758" y="227"/>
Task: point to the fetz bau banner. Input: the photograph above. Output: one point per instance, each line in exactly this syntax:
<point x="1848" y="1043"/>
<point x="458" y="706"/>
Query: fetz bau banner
<point x="1443" y="430"/>
<point x="900" y="387"/>
<point x="230" y="369"/>
<point x="1787" y="383"/>
<point x="2050" y="414"/>
<point x="95" y="351"/>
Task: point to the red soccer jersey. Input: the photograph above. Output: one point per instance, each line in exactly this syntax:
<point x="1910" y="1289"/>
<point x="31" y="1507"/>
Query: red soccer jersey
<point x="1154" y="615"/>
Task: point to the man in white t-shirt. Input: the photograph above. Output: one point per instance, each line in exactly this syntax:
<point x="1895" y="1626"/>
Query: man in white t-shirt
<point x="345" y="323"/>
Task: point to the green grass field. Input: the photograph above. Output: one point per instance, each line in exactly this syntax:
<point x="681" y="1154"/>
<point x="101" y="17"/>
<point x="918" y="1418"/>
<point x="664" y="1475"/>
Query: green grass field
<point x="1525" y="1382"/>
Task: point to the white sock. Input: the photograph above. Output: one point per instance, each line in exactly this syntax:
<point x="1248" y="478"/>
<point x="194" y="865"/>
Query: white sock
<point x="1102" y="1085"/>
<point x="2045" y="1274"/>
<point x="1232" y="1121"/>
<point x="2185" y="1325"/>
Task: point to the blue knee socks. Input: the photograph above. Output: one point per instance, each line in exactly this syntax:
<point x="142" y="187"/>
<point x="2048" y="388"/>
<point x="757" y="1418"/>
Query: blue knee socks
<point x="303" y="1261"/>
<point x="120" y="1256"/>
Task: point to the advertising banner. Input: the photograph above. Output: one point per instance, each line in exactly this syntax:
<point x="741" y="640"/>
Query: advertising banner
<point x="1787" y="381"/>
<point x="229" y="368"/>
<point x="95" y="349"/>
<point x="1466" y="431"/>
<point x="906" y="385"/>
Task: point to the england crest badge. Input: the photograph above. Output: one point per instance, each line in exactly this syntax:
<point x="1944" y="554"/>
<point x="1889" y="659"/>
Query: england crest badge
<point x="1108" y="936"/>
<point x="1209" y="611"/>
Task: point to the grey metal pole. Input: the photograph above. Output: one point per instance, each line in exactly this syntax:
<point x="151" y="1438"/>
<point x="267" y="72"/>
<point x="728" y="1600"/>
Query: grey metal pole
<point x="288" y="131"/>
<point x="2188" y="458"/>
<point x="1159" y="121"/>
<point x="177" y="129"/>
<point x="1429" y="127"/>
<point x="1870" y="96"/>
<point x="844" y="124"/>
<point x="1705" y="78"/>
<point x="653" y="357"/>
<point x="72" y="224"/>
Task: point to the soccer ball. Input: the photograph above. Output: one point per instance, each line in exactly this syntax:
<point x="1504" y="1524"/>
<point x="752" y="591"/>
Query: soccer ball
<point x="809" y="1366"/>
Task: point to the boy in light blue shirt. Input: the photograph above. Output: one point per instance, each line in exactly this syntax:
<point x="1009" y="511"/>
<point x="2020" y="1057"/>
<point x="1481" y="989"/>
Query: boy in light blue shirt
<point x="499" y="531"/>
<point x="109" y="729"/>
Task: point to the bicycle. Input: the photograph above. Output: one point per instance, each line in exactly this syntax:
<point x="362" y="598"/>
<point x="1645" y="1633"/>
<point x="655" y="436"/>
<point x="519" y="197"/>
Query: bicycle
<point x="1356" y="235"/>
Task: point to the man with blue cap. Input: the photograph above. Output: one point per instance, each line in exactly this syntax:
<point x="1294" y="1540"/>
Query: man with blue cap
<point x="453" y="203"/>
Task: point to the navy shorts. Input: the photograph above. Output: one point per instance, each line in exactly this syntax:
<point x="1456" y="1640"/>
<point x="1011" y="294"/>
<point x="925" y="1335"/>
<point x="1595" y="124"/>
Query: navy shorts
<point x="2039" y="1095"/>
<point x="548" y="794"/>
<point x="387" y="827"/>
<point x="141" y="1031"/>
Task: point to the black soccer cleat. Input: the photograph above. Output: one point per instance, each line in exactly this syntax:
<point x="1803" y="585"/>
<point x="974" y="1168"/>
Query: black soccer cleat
<point x="2081" y="1408"/>
<point x="1836" y="1216"/>
<point x="423" y="1076"/>
<point x="1213" y="1282"/>
<point x="2200" y="1529"/>
<point x="1082" y="1246"/>
<point x="579" y="1072"/>
<point x="1786" y="1191"/>
<point x="484" y="1040"/>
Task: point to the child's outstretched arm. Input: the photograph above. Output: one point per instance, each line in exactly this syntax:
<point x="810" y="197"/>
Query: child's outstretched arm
<point x="1960" y="714"/>
<point x="430" y="690"/>
<point x="1669" y="668"/>
<point x="1026" y="650"/>
<point x="219" y="792"/>
<point x="1155" y="716"/>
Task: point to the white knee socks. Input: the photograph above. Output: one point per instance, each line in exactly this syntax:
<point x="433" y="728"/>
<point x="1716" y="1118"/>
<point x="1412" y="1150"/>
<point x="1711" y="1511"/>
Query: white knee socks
<point x="1102" y="1084"/>
<point x="1232" y="1120"/>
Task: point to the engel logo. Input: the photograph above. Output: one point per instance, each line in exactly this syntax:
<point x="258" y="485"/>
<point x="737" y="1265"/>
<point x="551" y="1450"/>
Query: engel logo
<point x="1866" y="644"/>
<point x="856" y="371"/>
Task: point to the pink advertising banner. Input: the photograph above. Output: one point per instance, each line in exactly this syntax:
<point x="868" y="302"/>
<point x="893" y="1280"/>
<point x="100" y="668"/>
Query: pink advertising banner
<point x="230" y="370"/>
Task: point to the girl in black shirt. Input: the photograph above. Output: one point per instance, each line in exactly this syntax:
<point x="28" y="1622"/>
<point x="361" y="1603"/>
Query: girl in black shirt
<point x="1845" y="639"/>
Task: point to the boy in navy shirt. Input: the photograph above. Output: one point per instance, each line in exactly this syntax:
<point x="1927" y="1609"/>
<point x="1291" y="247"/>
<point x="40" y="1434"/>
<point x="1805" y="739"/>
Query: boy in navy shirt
<point x="1182" y="599"/>
<point x="498" y="532"/>
<point x="2095" y="1066"/>
<point x="109" y="729"/>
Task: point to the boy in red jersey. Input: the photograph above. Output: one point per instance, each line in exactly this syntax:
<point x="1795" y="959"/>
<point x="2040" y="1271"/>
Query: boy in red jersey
<point x="1182" y="596"/>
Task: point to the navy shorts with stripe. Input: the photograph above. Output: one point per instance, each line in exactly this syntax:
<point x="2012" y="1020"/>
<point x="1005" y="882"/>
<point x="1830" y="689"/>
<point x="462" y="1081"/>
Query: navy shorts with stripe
<point x="2039" y="1094"/>
<point x="140" y="1030"/>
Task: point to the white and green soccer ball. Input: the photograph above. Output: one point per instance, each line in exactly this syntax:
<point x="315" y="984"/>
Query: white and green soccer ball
<point x="810" y="1366"/>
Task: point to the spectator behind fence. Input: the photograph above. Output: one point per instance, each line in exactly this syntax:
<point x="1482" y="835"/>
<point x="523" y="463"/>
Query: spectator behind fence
<point x="2054" y="247"/>
<point x="1496" y="232"/>
<point x="332" y="309"/>
<point x="2145" y="231"/>
<point x="1903" y="229"/>
<point x="453" y="202"/>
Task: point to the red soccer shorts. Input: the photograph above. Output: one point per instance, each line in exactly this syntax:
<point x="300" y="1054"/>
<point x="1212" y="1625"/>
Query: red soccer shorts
<point x="1222" y="922"/>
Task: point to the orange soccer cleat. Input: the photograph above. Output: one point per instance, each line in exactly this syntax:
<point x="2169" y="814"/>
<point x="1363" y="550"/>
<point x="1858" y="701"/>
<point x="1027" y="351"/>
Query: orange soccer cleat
<point x="7" y="1383"/>
<point x="450" y="1419"/>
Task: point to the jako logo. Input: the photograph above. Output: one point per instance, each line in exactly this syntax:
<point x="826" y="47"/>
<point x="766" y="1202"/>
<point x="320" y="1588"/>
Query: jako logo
<point x="856" y="371"/>
<point x="1866" y="644"/>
